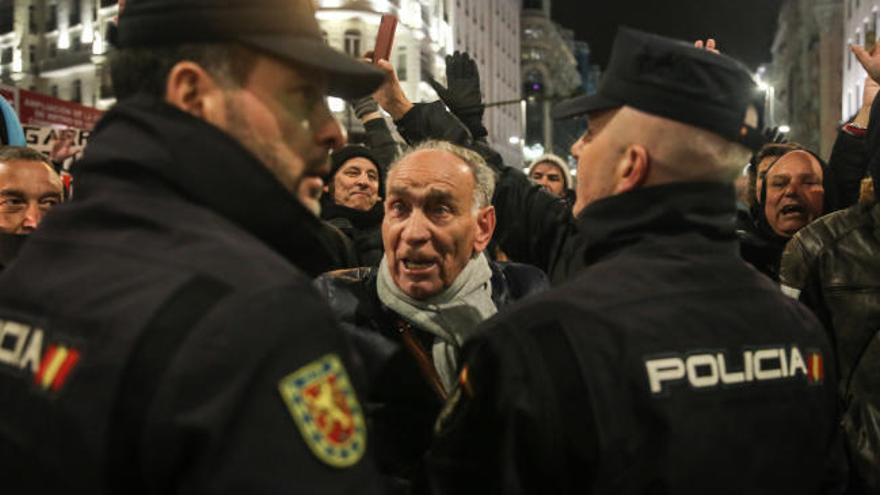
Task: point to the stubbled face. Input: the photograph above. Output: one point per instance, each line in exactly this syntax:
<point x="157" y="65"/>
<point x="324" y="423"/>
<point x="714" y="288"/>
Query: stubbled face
<point x="795" y="193"/>
<point x="356" y="184"/>
<point x="548" y="176"/>
<point x="280" y="116"/>
<point x="431" y="228"/>
<point x="28" y="190"/>
<point x="597" y="160"/>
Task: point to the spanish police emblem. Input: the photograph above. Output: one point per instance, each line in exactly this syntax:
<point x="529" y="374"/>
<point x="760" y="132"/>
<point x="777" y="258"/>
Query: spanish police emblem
<point x="323" y="404"/>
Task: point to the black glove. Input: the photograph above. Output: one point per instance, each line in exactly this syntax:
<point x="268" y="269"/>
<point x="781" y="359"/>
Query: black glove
<point x="364" y="106"/>
<point x="773" y="135"/>
<point x="463" y="94"/>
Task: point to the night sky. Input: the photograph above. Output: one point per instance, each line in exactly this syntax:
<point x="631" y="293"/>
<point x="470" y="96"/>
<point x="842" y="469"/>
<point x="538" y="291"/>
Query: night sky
<point x="744" y="29"/>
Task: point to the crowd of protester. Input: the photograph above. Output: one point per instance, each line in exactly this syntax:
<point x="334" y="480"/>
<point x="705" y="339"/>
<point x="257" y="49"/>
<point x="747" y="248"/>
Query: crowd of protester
<point x="233" y="299"/>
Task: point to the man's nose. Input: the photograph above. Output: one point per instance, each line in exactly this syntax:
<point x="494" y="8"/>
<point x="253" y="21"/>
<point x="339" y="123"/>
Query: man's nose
<point x="32" y="217"/>
<point x="577" y="146"/>
<point x="416" y="230"/>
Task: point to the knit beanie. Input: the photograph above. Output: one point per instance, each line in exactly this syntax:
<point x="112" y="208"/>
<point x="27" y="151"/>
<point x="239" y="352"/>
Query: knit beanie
<point x="558" y="162"/>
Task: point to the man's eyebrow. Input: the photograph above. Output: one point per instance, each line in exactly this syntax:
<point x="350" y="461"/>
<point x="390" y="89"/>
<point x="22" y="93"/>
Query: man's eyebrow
<point x="12" y="192"/>
<point x="439" y="195"/>
<point x="399" y="191"/>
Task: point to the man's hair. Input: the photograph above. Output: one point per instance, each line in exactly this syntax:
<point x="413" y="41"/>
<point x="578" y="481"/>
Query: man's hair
<point x="9" y="153"/>
<point x="145" y="70"/>
<point x="484" y="177"/>
<point x="774" y="150"/>
<point x="679" y="152"/>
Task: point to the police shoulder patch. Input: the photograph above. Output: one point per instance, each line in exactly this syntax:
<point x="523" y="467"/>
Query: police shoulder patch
<point x="323" y="404"/>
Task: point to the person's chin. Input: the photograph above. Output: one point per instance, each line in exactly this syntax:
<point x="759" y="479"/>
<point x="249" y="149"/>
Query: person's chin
<point x="419" y="289"/>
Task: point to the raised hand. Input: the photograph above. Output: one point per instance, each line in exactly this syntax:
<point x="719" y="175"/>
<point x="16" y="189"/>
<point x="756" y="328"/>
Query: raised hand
<point x="869" y="60"/>
<point x="709" y="45"/>
<point x="462" y="95"/>
<point x="390" y="94"/>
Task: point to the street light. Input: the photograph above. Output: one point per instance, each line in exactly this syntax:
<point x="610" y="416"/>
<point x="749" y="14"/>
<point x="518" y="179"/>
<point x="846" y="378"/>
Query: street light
<point x="784" y="129"/>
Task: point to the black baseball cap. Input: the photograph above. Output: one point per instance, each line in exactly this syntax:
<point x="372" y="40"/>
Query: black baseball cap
<point x="675" y="80"/>
<point x="286" y="29"/>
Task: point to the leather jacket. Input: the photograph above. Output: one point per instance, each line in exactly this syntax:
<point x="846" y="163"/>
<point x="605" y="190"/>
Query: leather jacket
<point x="833" y="266"/>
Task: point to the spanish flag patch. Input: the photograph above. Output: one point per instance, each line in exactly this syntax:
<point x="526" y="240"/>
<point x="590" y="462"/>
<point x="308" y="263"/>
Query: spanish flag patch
<point x="324" y="407"/>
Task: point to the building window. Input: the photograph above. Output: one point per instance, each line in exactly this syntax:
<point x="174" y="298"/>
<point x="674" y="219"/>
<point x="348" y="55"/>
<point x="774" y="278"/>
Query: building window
<point x="75" y="16"/>
<point x="401" y="63"/>
<point x="77" y="92"/>
<point x="53" y="50"/>
<point x="324" y="36"/>
<point x="32" y="54"/>
<point x="53" y="91"/>
<point x="52" y="18"/>
<point x="353" y="42"/>
<point x="6" y="55"/>
<point x="7" y="17"/>
<point x="32" y="19"/>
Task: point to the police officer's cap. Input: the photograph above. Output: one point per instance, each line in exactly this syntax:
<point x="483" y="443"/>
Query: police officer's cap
<point x="674" y="80"/>
<point x="286" y="29"/>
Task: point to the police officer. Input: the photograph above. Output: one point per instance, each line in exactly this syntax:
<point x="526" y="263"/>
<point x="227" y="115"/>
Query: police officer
<point x="667" y="365"/>
<point x="157" y="335"/>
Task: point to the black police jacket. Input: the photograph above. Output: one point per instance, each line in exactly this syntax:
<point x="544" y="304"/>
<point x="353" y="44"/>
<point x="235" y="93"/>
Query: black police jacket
<point x="400" y="402"/>
<point x="667" y="365"/>
<point x="157" y="337"/>
<point x="833" y="266"/>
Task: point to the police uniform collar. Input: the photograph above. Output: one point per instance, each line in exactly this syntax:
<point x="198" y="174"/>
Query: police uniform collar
<point x="707" y="208"/>
<point x="207" y="166"/>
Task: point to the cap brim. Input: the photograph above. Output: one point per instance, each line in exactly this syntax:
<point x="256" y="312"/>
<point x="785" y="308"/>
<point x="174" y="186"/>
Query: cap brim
<point x="347" y="77"/>
<point x="582" y="105"/>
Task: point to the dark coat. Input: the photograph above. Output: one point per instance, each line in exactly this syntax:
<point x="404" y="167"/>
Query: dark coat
<point x="169" y="294"/>
<point x="401" y="405"/>
<point x="363" y="229"/>
<point x="585" y="388"/>
<point x="849" y="163"/>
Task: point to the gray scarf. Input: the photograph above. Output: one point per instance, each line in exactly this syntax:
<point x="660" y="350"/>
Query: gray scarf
<point x="450" y="316"/>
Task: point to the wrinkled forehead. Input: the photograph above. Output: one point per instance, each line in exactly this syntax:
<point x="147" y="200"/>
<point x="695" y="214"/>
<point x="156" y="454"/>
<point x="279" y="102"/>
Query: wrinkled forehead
<point x="796" y="162"/>
<point x="431" y="170"/>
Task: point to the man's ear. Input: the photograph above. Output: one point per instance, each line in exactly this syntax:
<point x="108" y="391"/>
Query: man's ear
<point x="192" y="89"/>
<point x="633" y="168"/>
<point x="485" y="228"/>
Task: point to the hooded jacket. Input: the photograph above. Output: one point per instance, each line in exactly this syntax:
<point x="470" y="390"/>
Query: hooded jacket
<point x="173" y="315"/>
<point x="760" y="245"/>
